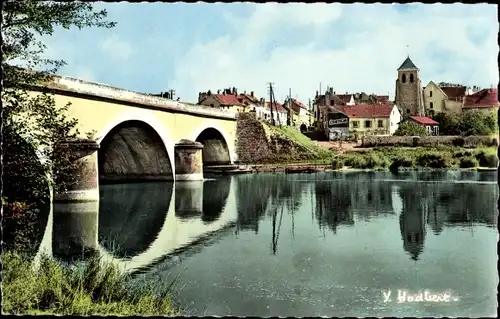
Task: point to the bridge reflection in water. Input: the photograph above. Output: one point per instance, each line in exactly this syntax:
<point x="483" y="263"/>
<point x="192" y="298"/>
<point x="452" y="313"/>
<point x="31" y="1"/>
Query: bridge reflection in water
<point x="135" y="225"/>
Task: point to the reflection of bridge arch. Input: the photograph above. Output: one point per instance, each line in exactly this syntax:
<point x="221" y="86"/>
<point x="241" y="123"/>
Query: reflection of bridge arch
<point x="213" y="125"/>
<point x="141" y="116"/>
<point x="175" y="233"/>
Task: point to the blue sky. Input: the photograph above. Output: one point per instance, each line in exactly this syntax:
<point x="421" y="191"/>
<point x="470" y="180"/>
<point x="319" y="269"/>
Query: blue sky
<point x="352" y="47"/>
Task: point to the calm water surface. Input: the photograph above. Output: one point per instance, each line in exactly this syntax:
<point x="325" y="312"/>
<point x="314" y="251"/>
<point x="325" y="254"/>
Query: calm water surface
<point x="329" y="244"/>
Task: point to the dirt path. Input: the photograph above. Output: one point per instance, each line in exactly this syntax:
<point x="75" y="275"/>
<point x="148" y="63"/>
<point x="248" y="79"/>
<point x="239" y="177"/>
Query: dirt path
<point x="340" y="147"/>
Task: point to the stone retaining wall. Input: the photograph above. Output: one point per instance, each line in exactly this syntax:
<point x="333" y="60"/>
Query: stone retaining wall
<point x="429" y="141"/>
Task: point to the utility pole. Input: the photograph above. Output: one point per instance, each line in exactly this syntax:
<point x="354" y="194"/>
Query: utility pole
<point x="271" y="103"/>
<point x="289" y="119"/>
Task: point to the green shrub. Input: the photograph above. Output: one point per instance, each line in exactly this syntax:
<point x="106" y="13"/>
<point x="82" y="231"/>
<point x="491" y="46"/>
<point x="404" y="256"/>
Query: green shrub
<point x="337" y="163"/>
<point x="467" y="162"/>
<point x="458" y="142"/>
<point x="411" y="129"/>
<point x="486" y="159"/>
<point x="432" y="160"/>
<point x="95" y="289"/>
<point x="463" y="153"/>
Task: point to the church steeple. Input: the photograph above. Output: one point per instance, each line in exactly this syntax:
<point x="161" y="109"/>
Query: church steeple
<point x="407" y="65"/>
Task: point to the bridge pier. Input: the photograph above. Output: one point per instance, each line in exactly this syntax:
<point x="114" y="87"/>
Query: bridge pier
<point x="189" y="199"/>
<point x="76" y="199"/>
<point x="188" y="161"/>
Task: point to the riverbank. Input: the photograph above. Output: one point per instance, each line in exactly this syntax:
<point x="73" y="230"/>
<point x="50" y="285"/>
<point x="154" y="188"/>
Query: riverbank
<point x="381" y="158"/>
<point x="95" y="289"/>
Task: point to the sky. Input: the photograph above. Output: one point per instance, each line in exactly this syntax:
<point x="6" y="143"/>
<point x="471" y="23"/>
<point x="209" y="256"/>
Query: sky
<point x="193" y="48"/>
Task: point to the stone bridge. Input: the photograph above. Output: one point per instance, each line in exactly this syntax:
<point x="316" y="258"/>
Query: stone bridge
<point x="140" y="137"/>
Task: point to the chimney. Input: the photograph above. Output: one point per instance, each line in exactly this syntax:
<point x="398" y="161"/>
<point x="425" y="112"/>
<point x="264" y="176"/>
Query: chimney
<point x="234" y="90"/>
<point x="331" y="91"/>
<point x="251" y="93"/>
<point x="209" y="92"/>
<point x="262" y="101"/>
<point x="199" y="97"/>
<point x="245" y="92"/>
<point x="334" y="93"/>
<point x="218" y="91"/>
<point x="317" y="93"/>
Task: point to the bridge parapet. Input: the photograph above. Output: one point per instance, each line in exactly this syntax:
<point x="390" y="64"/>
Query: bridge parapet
<point x="66" y="84"/>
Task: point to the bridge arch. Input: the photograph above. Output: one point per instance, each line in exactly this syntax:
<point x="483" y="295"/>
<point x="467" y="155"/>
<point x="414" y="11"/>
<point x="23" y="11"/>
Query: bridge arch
<point x="135" y="146"/>
<point x="175" y="234"/>
<point x="218" y="148"/>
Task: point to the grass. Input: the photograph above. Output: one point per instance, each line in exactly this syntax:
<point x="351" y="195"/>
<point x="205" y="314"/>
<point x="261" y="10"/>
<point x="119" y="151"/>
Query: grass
<point x="95" y="289"/>
<point x="428" y="157"/>
<point x="308" y="151"/>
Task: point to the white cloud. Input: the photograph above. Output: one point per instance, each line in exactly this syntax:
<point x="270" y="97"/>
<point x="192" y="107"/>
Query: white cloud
<point x="374" y="39"/>
<point x="117" y="47"/>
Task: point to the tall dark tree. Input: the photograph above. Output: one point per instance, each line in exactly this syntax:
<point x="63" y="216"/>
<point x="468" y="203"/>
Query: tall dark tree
<point x="31" y="123"/>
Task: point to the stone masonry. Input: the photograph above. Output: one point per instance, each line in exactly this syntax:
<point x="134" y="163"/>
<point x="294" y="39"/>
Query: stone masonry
<point x="409" y="97"/>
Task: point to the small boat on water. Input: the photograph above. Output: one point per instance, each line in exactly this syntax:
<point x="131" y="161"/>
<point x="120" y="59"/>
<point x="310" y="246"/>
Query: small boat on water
<point x="486" y="169"/>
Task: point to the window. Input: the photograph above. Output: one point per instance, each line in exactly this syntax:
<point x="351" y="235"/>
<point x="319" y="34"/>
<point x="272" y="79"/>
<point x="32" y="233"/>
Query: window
<point x="355" y="124"/>
<point x="368" y="124"/>
<point x="407" y="111"/>
<point x="430" y="93"/>
<point x="411" y="77"/>
<point x="211" y="105"/>
<point x="431" y="113"/>
<point x="417" y="237"/>
<point x="431" y="105"/>
<point x="380" y="123"/>
<point x="404" y="78"/>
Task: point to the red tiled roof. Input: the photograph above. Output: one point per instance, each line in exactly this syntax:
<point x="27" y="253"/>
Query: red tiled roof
<point x="249" y="98"/>
<point x="454" y="92"/>
<point x="366" y="110"/>
<point x="229" y="99"/>
<point x="276" y="106"/>
<point x="424" y="120"/>
<point x="485" y="98"/>
<point x="300" y="104"/>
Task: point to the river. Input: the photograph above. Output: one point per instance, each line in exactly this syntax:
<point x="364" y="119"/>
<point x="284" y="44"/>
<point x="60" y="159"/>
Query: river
<point x="325" y="244"/>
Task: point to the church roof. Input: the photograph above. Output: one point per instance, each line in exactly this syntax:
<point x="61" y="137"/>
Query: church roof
<point x="407" y="64"/>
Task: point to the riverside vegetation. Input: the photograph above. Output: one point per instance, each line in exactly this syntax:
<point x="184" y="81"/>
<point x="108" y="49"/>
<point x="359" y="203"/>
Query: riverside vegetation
<point x="395" y="158"/>
<point x="32" y="123"/>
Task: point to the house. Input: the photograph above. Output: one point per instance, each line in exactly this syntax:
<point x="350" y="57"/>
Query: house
<point x="301" y="117"/>
<point x="443" y="99"/>
<point x="381" y="119"/>
<point x="321" y="101"/>
<point x="279" y="113"/>
<point x="229" y="99"/>
<point x="485" y="99"/>
<point x="336" y="124"/>
<point x="431" y="125"/>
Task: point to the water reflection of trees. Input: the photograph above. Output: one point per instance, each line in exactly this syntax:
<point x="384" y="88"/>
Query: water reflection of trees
<point x="441" y="205"/>
<point x="261" y="193"/>
<point x="131" y="216"/>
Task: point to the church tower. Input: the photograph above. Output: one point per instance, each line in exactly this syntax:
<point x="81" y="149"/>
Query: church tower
<point x="409" y="97"/>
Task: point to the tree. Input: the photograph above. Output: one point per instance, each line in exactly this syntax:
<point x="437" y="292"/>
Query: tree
<point x="411" y="129"/>
<point x="33" y="124"/>
<point x="448" y="123"/>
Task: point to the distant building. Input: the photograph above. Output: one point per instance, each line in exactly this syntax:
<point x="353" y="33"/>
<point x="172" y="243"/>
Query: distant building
<point x="409" y="97"/>
<point x="486" y="99"/>
<point x="300" y="114"/>
<point x="336" y="124"/>
<point x="379" y="119"/>
<point x="430" y="125"/>
<point x="279" y="112"/>
<point x="228" y="99"/>
<point x="443" y="99"/>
